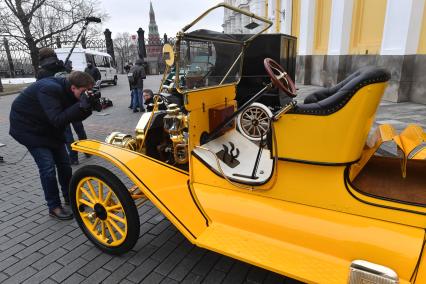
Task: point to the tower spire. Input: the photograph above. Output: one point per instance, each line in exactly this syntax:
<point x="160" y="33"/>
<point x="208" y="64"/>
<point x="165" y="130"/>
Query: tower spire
<point x="151" y="13"/>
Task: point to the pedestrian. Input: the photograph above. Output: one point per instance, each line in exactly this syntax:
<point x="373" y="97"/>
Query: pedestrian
<point x="130" y="79"/>
<point x="93" y="71"/>
<point x="49" y="63"/>
<point x="127" y="67"/>
<point x="38" y="118"/>
<point x="138" y="74"/>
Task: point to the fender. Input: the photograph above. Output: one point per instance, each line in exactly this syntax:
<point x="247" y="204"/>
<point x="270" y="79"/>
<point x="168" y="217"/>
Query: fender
<point x="164" y="185"/>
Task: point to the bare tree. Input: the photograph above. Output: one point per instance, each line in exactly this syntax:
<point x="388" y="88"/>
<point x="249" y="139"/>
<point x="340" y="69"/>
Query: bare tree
<point x="36" y="23"/>
<point x="125" y="49"/>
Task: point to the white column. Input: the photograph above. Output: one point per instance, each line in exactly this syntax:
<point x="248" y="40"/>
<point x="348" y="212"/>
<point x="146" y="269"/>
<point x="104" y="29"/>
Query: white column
<point x="340" y="27"/>
<point x="403" y="23"/>
<point x="286" y="10"/>
<point x="307" y="18"/>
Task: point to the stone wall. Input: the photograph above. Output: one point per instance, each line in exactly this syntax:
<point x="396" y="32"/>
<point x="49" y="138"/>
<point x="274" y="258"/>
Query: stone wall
<point x="408" y="73"/>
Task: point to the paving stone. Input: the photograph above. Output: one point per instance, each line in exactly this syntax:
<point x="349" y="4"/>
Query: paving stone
<point x="95" y="264"/>
<point x="206" y="264"/>
<point x="224" y="264"/>
<point x="39" y="236"/>
<point x="97" y="276"/>
<point x="68" y="270"/>
<point x="21" y="275"/>
<point x="119" y="274"/>
<point x="76" y="242"/>
<point x="47" y="259"/>
<point x="11" y="251"/>
<point x="163" y="238"/>
<point x="215" y="276"/>
<point x="169" y="281"/>
<point x="59" y="234"/>
<point x="75" y="278"/>
<point x="143" y="270"/>
<point x="273" y="278"/>
<point x="185" y="266"/>
<point x="237" y="274"/>
<point x="143" y="241"/>
<point x="256" y="275"/>
<point x="164" y="251"/>
<point x="3" y="277"/>
<point x="175" y="257"/>
<point x="91" y="253"/>
<point x="8" y="262"/>
<point x="43" y="274"/>
<point x="153" y="277"/>
<point x="23" y="263"/>
<point x="72" y="255"/>
<point x="192" y="278"/>
<point x="55" y="245"/>
<point x="21" y="230"/>
<point x="31" y="249"/>
<point x="117" y="261"/>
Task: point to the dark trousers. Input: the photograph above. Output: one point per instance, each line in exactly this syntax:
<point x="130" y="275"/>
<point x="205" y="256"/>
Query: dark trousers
<point x="69" y="138"/>
<point x="137" y="99"/>
<point x="49" y="160"/>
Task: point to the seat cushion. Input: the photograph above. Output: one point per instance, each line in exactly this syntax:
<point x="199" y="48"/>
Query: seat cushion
<point x="330" y="100"/>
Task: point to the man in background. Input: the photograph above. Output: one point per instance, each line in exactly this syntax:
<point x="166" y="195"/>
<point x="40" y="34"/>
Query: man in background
<point x="137" y="75"/>
<point x="93" y="71"/>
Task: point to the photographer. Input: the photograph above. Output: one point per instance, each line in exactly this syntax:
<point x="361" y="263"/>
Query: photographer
<point x="38" y="118"/>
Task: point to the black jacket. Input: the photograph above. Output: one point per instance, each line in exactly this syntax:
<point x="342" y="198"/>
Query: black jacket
<point x="41" y="112"/>
<point x="138" y="74"/>
<point x="94" y="72"/>
<point x="49" y="67"/>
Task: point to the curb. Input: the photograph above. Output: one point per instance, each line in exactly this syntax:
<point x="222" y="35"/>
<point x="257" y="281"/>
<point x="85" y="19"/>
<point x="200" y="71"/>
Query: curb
<point x="9" y="93"/>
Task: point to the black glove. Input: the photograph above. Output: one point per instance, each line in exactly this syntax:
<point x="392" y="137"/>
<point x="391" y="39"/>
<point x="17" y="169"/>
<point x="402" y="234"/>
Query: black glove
<point x="84" y="102"/>
<point x="90" y="101"/>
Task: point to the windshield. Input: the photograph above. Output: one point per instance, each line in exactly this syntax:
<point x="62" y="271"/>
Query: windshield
<point x="211" y="49"/>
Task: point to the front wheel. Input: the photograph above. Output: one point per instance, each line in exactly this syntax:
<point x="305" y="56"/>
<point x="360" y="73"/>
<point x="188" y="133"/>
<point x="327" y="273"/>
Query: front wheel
<point x="104" y="209"/>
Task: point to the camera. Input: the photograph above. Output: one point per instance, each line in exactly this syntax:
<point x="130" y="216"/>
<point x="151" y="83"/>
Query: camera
<point x="94" y="99"/>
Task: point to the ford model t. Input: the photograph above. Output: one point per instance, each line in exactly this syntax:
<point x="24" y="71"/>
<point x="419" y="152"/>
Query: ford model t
<point x="309" y="199"/>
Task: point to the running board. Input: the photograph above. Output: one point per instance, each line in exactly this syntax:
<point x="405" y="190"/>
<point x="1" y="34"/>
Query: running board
<point x="293" y="261"/>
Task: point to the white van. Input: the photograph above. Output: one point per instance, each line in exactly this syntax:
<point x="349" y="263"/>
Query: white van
<point x="101" y="60"/>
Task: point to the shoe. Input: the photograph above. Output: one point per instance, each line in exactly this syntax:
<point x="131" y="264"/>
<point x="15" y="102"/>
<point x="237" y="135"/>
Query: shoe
<point x="143" y="110"/>
<point x="67" y="201"/>
<point x="135" y="110"/>
<point x="130" y="107"/>
<point x="87" y="155"/>
<point x="60" y="213"/>
<point x="74" y="162"/>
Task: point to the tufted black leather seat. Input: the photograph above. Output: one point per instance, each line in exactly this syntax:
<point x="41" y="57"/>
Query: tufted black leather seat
<point x="330" y="100"/>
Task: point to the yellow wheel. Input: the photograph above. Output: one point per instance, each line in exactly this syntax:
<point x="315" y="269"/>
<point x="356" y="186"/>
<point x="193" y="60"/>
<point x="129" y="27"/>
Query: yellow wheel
<point x="104" y="209"/>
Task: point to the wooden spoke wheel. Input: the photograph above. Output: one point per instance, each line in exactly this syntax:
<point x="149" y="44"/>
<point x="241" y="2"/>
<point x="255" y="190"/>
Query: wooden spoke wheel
<point x="254" y="122"/>
<point x="104" y="209"/>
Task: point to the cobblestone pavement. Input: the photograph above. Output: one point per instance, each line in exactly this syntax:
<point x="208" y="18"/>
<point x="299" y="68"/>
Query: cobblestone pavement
<point x="35" y="248"/>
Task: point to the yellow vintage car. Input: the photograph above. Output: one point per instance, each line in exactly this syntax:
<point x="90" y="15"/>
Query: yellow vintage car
<point x="310" y="201"/>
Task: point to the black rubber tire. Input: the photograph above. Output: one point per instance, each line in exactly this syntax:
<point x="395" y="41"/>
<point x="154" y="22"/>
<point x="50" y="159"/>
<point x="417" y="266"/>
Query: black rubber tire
<point x="132" y="216"/>
<point x="114" y="82"/>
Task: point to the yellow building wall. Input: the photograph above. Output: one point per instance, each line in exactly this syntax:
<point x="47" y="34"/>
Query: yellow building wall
<point x="322" y="26"/>
<point x="295" y="20"/>
<point x="368" y="20"/>
<point x="422" y="42"/>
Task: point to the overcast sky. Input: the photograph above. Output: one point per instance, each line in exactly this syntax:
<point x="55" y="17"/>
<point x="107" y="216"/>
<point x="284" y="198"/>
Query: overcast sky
<point x="170" y="15"/>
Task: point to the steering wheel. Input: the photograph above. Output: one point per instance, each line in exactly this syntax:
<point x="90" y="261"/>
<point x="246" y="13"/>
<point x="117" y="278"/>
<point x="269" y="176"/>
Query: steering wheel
<point x="279" y="77"/>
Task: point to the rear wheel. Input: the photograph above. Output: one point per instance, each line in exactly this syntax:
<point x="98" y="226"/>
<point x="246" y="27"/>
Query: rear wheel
<point x="114" y="82"/>
<point x="104" y="209"/>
